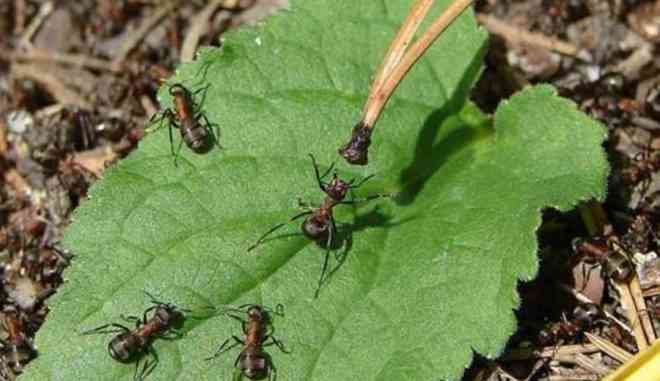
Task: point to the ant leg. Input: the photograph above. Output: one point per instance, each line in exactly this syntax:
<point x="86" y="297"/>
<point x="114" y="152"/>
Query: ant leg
<point x="364" y="180"/>
<point x="319" y="178"/>
<point x="107" y="328"/>
<point x="149" y="366"/>
<point x="178" y="150"/>
<point x="146" y="312"/>
<point x="170" y="335"/>
<point x="586" y="274"/>
<point x="366" y="199"/>
<point x="212" y="128"/>
<point x="204" y="68"/>
<point x="224" y="348"/>
<point x="331" y="228"/>
<point x="274" y="228"/>
<point x="158" y="118"/>
<point x="276" y="342"/>
<point x="136" y="373"/>
<point x="171" y="139"/>
<point x="153" y="299"/>
<point x="245" y="307"/>
<point x="272" y="371"/>
<point x="239" y="319"/>
<point x="304" y="205"/>
<point x="341" y="257"/>
<point x="279" y="309"/>
<point x="132" y="319"/>
<point x="201" y="89"/>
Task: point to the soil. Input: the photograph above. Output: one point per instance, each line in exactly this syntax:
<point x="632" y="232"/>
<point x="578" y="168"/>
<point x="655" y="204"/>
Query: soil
<point x="99" y="59"/>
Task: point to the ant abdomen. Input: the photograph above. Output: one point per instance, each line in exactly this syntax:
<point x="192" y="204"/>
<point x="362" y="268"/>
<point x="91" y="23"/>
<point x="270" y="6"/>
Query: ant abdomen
<point x="126" y="347"/>
<point x="315" y="229"/>
<point x="196" y="137"/>
<point x="254" y="365"/>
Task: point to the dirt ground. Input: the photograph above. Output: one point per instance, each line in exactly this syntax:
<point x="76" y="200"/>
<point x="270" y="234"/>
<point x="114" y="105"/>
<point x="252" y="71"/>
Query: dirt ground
<point x="600" y="277"/>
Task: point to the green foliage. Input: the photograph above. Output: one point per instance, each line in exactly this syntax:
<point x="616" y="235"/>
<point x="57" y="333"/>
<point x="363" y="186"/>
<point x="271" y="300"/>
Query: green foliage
<point x="430" y="276"/>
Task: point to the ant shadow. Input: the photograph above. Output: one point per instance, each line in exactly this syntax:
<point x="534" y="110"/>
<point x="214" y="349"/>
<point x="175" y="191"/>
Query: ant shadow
<point x="430" y="155"/>
<point x="342" y="245"/>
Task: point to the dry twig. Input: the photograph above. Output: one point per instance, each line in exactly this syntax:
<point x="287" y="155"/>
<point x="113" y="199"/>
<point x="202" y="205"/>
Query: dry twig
<point x="642" y="311"/>
<point x="549" y="352"/>
<point x="585" y="362"/>
<point x="3" y="137"/>
<point x="373" y="111"/>
<point x="46" y="9"/>
<point x="53" y="84"/>
<point x="199" y="26"/>
<point x="78" y="60"/>
<point x="520" y="36"/>
<point x="132" y="41"/>
<point x="19" y="16"/>
<point x="18" y="183"/>
<point x="610" y="348"/>
<point x="398" y="47"/>
<point x="396" y="64"/>
<point x="628" y="304"/>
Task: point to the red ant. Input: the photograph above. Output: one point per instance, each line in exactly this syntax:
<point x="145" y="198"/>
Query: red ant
<point x="198" y="136"/>
<point x="645" y="164"/>
<point x="17" y="348"/>
<point x="642" y="230"/>
<point x="607" y="253"/>
<point x="565" y="330"/>
<point x="319" y="225"/>
<point x="131" y="345"/>
<point x="253" y="361"/>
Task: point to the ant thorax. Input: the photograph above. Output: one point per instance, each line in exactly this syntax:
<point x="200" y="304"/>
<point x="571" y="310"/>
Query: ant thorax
<point x="337" y="189"/>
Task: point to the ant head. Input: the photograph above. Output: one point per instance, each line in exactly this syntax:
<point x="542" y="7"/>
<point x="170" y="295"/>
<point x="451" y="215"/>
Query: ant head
<point x="576" y="244"/>
<point x="338" y="188"/>
<point x="177" y="89"/>
<point x="256" y="312"/>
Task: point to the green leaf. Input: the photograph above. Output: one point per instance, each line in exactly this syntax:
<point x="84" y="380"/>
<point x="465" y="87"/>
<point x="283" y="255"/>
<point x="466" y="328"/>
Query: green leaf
<point x="430" y="276"/>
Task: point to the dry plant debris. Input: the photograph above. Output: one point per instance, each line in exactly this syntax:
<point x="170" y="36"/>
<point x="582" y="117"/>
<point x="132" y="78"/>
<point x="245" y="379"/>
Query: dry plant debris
<point x="78" y="81"/>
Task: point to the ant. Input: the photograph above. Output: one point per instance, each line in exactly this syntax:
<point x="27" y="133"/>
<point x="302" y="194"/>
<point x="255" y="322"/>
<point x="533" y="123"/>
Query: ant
<point x="131" y="345"/>
<point x="198" y="136"/>
<point x="607" y="253"/>
<point x="45" y="265"/>
<point x="319" y="224"/>
<point x="17" y="348"/>
<point x="253" y="361"/>
<point x="583" y="318"/>
<point x="644" y="165"/>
